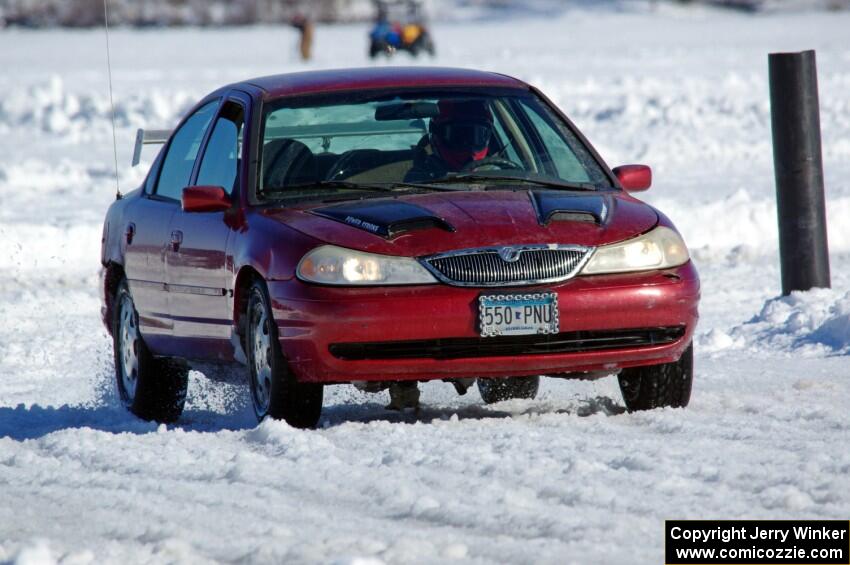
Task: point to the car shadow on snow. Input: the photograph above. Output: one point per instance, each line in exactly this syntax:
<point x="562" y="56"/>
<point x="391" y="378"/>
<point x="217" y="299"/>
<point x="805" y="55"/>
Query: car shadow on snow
<point x="22" y="423"/>
<point x="368" y="412"/>
<point x="212" y="405"/>
<point x="216" y="403"/>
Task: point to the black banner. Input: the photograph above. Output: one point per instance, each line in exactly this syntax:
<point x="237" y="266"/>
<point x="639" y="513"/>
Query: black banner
<point x="757" y="542"/>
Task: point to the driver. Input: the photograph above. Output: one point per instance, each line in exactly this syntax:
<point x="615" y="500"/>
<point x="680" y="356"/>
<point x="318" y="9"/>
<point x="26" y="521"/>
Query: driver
<point x="459" y="135"/>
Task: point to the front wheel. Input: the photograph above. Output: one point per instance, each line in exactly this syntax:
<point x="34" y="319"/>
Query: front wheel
<point x="151" y="388"/>
<point x="656" y="386"/>
<point x="497" y="390"/>
<point x="274" y="390"/>
<point x="376" y="48"/>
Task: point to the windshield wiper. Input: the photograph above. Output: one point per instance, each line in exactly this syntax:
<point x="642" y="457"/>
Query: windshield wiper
<point x="461" y="177"/>
<point x="427" y="185"/>
<point x="348" y="185"/>
<point x="337" y="184"/>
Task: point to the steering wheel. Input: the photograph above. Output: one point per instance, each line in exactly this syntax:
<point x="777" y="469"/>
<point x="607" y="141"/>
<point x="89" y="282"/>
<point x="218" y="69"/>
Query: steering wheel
<point x="495" y="162"/>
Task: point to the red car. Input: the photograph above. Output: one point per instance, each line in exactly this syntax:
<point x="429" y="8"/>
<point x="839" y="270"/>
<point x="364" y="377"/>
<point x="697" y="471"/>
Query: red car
<point x="387" y="226"/>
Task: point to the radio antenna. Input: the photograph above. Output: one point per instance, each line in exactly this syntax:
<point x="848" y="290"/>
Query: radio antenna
<point x="111" y="102"/>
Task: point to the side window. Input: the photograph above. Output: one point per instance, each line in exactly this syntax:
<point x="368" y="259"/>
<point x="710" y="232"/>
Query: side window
<point x="150" y="181"/>
<point x="178" y="163"/>
<point x="220" y="163"/>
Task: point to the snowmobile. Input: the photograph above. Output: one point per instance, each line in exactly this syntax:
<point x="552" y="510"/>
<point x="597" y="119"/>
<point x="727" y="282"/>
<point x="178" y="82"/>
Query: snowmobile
<point x="400" y="26"/>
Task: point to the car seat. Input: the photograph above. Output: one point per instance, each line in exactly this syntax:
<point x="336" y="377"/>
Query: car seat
<point x="288" y="162"/>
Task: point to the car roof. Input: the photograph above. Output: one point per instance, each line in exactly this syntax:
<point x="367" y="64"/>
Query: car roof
<point x="312" y="82"/>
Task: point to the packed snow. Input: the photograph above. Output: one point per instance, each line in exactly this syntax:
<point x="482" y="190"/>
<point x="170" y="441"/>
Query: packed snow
<point x="567" y="478"/>
<point x="813" y="323"/>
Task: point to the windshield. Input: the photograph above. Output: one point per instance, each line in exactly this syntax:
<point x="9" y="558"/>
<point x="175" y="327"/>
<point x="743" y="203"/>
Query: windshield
<point x="450" y="140"/>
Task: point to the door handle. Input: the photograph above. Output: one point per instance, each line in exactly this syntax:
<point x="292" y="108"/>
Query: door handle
<point x="130" y="232"/>
<point x="176" y="240"/>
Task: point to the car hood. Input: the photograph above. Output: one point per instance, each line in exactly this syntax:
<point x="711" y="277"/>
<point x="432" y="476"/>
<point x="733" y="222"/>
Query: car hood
<point x="423" y="224"/>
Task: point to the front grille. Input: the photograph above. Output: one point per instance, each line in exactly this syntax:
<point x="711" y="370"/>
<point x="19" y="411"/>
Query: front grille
<point x="508" y="266"/>
<point x="507" y="346"/>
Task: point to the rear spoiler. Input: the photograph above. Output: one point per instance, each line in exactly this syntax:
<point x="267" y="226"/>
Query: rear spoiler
<point x="148" y="137"/>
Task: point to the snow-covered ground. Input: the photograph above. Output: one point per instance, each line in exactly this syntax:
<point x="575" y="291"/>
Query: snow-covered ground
<point x="568" y="477"/>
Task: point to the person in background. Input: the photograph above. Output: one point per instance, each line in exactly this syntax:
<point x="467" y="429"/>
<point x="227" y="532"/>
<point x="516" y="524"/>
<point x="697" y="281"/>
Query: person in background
<point x="305" y="27"/>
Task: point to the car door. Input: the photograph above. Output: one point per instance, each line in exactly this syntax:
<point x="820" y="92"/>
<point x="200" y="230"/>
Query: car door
<point x="143" y="237"/>
<point x="153" y="214"/>
<point x="196" y="259"/>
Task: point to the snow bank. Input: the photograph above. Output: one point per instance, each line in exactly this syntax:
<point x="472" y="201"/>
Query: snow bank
<point x="816" y="322"/>
<point x="741" y="226"/>
<point x="636" y="117"/>
<point x="51" y="215"/>
<point x="71" y="251"/>
<point x="37" y="553"/>
<point x="48" y="107"/>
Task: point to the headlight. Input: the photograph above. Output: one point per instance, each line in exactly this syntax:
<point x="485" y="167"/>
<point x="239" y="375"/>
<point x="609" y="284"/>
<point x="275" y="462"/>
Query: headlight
<point x="339" y="266"/>
<point x="659" y="249"/>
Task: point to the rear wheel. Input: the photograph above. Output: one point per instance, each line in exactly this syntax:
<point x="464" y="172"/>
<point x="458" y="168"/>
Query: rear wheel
<point x="274" y="390"/>
<point x="153" y="389"/>
<point x="426" y="44"/>
<point x="497" y="390"/>
<point x="656" y="386"/>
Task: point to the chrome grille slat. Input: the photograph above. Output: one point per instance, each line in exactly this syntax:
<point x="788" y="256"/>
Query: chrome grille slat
<point x="488" y="267"/>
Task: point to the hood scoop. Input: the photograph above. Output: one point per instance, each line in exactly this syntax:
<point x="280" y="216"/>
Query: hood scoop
<point x="384" y="218"/>
<point x="552" y="205"/>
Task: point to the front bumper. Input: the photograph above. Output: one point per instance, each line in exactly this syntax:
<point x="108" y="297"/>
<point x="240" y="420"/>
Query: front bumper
<point x="311" y="319"/>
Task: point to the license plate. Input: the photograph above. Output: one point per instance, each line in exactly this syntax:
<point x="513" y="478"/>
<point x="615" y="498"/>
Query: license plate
<point x="518" y="314"/>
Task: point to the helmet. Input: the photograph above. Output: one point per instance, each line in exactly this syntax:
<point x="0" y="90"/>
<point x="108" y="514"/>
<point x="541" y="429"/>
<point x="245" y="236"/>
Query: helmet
<point x="461" y="132"/>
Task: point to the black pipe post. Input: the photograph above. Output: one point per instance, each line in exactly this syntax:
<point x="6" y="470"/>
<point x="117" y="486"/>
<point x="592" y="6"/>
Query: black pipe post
<point x="798" y="166"/>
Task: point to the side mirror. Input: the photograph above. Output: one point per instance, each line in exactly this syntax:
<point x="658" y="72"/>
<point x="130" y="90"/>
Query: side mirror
<point x="634" y="178"/>
<point x="205" y="199"/>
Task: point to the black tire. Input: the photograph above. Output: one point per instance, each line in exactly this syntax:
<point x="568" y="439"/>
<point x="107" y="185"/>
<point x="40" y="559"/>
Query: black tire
<point x="150" y="388"/>
<point x="428" y="45"/>
<point x="274" y="390"/>
<point x="376" y="49"/>
<point x="657" y="386"/>
<point x="497" y="390"/>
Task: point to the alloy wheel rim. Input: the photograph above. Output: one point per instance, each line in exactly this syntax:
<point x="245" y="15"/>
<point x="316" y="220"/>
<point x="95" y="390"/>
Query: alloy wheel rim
<point x="261" y="370"/>
<point x="129" y="348"/>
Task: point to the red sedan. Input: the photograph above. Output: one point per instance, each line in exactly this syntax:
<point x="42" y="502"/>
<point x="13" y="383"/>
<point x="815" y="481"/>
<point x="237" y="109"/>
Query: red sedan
<point x="384" y="227"/>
